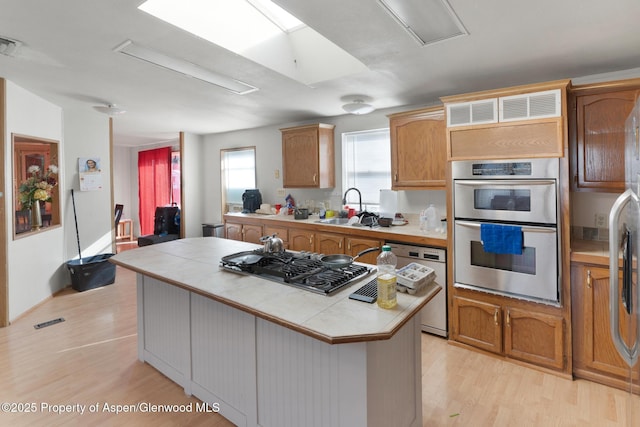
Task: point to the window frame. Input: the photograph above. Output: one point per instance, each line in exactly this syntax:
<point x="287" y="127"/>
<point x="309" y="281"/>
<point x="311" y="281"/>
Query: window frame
<point x="225" y="204"/>
<point x="368" y="202"/>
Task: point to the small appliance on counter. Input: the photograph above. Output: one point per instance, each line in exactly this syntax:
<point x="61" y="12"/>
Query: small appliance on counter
<point x="301" y="213"/>
<point x="251" y="201"/>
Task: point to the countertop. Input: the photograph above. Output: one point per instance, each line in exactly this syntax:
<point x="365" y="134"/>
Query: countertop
<point x="193" y="264"/>
<point x="590" y="252"/>
<point x="409" y="233"/>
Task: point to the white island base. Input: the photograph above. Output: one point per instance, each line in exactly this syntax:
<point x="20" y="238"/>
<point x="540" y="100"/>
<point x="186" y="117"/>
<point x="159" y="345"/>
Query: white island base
<point x="259" y="373"/>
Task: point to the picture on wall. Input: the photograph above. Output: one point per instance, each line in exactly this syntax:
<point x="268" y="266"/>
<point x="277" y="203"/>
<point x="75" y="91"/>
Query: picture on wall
<point x="90" y="173"/>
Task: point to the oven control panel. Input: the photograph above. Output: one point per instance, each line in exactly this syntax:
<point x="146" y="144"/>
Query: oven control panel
<point x="502" y="169"/>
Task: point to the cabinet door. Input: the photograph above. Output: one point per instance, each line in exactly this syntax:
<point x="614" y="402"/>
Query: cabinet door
<point x="327" y="243"/>
<point x="300" y="158"/>
<point x="281" y="232"/>
<point x="534" y="337"/>
<point x="478" y="324"/>
<point x="600" y="140"/>
<point x="358" y="244"/>
<point x="600" y="352"/>
<point x="251" y="233"/>
<point x="233" y="231"/>
<point x="301" y="240"/>
<point x="418" y="150"/>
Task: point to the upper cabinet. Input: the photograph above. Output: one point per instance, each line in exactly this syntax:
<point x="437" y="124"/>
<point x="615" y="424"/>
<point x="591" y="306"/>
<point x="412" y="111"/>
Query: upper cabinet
<point x="597" y="134"/>
<point x="418" y="149"/>
<point x="308" y="156"/>
<point x="522" y="121"/>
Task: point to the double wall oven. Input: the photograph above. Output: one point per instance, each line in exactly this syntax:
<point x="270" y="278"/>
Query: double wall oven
<point x="506" y="227"/>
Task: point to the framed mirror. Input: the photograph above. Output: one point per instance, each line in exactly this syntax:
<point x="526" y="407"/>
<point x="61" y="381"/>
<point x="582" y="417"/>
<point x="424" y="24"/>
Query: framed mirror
<point x="36" y="193"/>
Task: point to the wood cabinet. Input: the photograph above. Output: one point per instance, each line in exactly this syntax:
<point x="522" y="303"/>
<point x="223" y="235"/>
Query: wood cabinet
<point x="595" y="356"/>
<point x="244" y="232"/>
<point x="308" y="156"/>
<point x="418" y="149"/>
<point x="514" y="332"/>
<point x="598" y="135"/>
<point x="477" y="323"/>
<point x="358" y="244"/>
<point x="281" y="232"/>
<point x="333" y="243"/>
<point x="301" y="240"/>
<point x="524" y="122"/>
<point x="330" y="243"/>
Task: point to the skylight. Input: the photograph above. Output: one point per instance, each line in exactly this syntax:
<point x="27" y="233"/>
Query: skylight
<point x="261" y="31"/>
<point x="236" y="25"/>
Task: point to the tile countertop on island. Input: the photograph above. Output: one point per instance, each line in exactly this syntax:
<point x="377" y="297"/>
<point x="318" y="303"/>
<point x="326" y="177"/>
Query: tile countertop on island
<point x="409" y="233"/>
<point x="193" y="264"/>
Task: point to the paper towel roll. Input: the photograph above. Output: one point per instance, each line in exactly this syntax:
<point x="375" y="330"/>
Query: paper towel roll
<point x="388" y="203"/>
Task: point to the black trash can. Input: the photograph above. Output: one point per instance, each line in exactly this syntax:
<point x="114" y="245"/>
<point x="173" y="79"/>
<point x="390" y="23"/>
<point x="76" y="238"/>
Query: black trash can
<point x="91" y="272"/>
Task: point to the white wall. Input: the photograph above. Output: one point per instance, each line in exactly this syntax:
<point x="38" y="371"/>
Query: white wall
<point x="35" y="262"/>
<point x="268" y="143"/>
<point x="124" y="191"/>
<point x="86" y="134"/>
<point x="197" y="191"/>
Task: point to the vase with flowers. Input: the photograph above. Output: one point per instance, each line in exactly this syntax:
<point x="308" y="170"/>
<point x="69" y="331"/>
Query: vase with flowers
<point x="37" y="188"/>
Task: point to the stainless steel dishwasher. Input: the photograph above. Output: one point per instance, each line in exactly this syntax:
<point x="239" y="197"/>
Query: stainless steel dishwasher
<point x="434" y="314"/>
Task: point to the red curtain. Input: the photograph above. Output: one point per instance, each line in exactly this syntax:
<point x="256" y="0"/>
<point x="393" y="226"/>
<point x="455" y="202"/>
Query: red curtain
<point x="154" y="184"/>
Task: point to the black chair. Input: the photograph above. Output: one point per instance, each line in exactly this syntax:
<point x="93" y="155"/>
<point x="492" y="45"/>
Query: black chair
<point x="165" y="228"/>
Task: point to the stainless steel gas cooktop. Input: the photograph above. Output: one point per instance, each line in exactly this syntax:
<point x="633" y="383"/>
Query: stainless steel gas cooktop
<point x="302" y="270"/>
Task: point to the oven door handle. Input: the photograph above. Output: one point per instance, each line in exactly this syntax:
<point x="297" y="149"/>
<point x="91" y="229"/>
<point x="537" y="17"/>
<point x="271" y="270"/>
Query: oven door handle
<point x="524" y="229"/>
<point x="499" y="182"/>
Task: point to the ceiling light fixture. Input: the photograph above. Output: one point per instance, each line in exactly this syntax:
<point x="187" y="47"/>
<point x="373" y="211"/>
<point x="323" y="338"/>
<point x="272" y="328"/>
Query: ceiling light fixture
<point x="358" y="107"/>
<point x="184" y="67"/>
<point x="110" y="109"/>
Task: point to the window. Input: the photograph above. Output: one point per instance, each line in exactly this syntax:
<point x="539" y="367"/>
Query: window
<point x="238" y="168"/>
<point x="366" y="165"/>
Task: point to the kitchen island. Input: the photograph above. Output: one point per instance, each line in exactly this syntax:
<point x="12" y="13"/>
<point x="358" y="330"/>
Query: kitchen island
<point x="267" y="354"/>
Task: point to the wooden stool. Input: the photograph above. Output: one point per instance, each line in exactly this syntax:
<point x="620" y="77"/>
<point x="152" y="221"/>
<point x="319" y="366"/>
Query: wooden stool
<point x="125" y="230"/>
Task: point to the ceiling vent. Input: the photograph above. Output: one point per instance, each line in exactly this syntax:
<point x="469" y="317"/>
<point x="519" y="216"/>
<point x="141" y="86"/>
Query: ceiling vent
<point x="427" y="21"/>
<point x="9" y="47"/>
<point x="529" y="106"/>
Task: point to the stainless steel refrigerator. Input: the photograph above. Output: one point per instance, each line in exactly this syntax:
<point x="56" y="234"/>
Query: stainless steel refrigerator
<point x="624" y="241"/>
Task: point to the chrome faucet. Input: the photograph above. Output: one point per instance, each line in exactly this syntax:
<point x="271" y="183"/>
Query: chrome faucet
<point x="344" y="198"/>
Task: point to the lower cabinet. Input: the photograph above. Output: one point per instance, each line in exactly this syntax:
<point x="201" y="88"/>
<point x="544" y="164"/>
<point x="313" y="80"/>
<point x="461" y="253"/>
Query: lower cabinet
<point x="244" y="232"/>
<point x="358" y="244"/>
<point x="595" y="355"/>
<point x="329" y="243"/>
<point x="280" y="232"/>
<point x="301" y="240"/>
<point x="510" y="331"/>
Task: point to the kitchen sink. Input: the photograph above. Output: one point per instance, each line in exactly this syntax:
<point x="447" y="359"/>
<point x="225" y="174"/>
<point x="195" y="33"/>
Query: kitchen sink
<point x="335" y="221"/>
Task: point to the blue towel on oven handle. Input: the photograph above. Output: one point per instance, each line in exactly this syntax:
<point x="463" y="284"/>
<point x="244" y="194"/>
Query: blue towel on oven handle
<point x="501" y="239"/>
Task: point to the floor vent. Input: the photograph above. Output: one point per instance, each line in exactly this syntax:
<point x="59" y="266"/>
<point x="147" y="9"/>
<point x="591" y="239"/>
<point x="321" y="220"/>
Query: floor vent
<point x="48" y="323"/>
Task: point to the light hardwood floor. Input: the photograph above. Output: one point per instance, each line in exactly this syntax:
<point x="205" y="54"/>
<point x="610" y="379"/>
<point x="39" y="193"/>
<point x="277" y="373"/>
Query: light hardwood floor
<point x="90" y="359"/>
